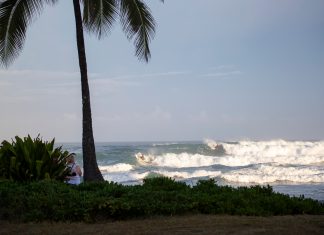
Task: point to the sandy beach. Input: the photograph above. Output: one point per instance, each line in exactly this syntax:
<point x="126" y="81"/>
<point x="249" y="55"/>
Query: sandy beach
<point x="195" y="224"/>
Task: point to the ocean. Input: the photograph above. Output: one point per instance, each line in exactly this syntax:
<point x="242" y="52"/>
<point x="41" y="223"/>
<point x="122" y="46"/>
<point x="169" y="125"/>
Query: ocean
<point x="290" y="167"/>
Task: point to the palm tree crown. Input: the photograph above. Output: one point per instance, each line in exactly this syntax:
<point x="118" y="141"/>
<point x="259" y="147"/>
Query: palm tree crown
<point x="98" y="17"/>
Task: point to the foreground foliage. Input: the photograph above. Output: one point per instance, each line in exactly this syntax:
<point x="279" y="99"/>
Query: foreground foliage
<point x="55" y="201"/>
<point x="27" y="159"/>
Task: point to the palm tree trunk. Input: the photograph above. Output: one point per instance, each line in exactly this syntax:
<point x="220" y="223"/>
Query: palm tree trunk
<point x="91" y="170"/>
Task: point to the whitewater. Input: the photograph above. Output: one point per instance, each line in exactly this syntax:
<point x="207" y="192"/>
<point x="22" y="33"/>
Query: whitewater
<point x="291" y="167"/>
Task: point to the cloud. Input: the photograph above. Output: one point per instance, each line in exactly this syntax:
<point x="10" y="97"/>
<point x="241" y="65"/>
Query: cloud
<point x="36" y="82"/>
<point x="223" y="74"/>
<point x="37" y="74"/>
<point x="110" y="118"/>
<point x="152" y="75"/>
<point x="157" y="114"/>
<point x="104" y="81"/>
<point x="49" y="79"/>
<point x="222" y="67"/>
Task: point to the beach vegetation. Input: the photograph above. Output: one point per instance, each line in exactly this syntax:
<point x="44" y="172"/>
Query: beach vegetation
<point x="97" y="201"/>
<point x="27" y="159"/>
<point x="97" y="18"/>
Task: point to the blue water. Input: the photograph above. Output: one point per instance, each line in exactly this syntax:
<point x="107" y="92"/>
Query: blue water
<point x="294" y="168"/>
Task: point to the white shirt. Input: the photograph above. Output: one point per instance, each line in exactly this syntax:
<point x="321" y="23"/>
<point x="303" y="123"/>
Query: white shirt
<point x="73" y="179"/>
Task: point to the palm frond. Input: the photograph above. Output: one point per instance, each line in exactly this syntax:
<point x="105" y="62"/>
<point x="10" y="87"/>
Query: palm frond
<point x="15" y="16"/>
<point x="99" y="15"/>
<point x="137" y="21"/>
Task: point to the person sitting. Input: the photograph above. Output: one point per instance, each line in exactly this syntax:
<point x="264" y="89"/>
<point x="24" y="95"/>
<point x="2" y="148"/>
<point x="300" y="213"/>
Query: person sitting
<point x="75" y="170"/>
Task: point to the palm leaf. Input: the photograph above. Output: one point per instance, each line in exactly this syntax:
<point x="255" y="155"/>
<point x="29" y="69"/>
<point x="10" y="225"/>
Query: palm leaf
<point x="99" y="15"/>
<point x="137" y="21"/>
<point x="15" y="16"/>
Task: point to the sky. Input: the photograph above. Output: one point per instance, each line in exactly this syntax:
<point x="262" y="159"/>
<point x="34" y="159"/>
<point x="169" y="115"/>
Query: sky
<point x="220" y="69"/>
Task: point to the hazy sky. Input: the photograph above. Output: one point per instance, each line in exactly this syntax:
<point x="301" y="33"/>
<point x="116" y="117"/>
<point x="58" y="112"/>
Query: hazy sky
<point x="225" y="70"/>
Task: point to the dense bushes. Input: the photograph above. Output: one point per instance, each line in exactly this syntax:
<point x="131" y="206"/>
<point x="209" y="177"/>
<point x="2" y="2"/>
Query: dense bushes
<point x="30" y="159"/>
<point x="52" y="200"/>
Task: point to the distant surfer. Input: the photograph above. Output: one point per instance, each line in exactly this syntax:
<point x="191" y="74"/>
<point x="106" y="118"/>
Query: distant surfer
<point x="140" y="156"/>
<point x="216" y="147"/>
<point x="144" y="159"/>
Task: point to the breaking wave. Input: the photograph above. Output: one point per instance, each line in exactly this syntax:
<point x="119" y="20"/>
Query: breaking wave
<point x="188" y="175"/>
<point x="184" y="159"/>
<point x="120" y="167"/>
<point x="177" y="160"/>
<point x="245" y="162"/>
<point x="271" y="174"/>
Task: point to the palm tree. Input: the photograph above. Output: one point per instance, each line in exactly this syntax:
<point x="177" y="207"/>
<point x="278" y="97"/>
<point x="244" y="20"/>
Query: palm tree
<point x="98" y="17"/>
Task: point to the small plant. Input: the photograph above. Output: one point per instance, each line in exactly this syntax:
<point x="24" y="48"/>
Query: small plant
<point x="30" y="159"/>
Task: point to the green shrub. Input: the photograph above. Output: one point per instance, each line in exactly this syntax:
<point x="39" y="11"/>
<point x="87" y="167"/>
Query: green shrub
<point x="30" y="159"/>
<point x="56" y="201"/>
<point x="163" y="183"/>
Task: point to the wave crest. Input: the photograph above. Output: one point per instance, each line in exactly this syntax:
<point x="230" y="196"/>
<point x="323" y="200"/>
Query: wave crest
<point x="176" y="160"/>
<point x="119" y="167"/>
<point x="271" y="174"/>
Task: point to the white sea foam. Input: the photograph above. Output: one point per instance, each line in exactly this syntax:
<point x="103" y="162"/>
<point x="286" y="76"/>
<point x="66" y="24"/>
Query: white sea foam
<point x="164" y="144"/>
<point x="177" y="160"/>
<point x="270" y="148"/>
<point x="263" y="162"/>
<point x="270" y="174"/>
<point x="120" y="167"/>
<point x="197" y="160"/>
<point x="125" y="176"/>
<point x="284" y="152"/>
<point x="135" y="176"/>
<point x="188" y="175"/>
<point x="275" y="148"/>
<point x="257" y="159"/>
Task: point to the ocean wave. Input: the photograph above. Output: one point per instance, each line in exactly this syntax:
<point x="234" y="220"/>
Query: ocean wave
<point x="176" y="160"/>
<point x="120" y="167"/>
<point x="272" y="148"/>
<point x="247" y="160"/>
<point x="188" y="175"/>
<point x="165" y="144"/>
<point x="183" y="160"/>
<point x="271" y="174"/>
<point x="133" y="176"/>
<point x="256" y="175"/>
